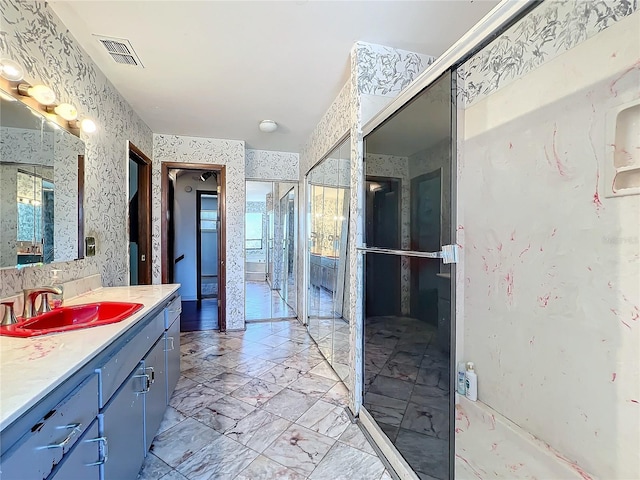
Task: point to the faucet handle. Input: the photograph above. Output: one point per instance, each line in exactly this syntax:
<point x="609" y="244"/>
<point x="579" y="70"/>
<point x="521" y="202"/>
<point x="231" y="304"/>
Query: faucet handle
<point x="9" y="317"/>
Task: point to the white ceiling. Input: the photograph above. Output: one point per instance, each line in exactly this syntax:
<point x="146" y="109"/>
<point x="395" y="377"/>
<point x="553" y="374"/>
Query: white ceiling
<point x="216" y="68"/>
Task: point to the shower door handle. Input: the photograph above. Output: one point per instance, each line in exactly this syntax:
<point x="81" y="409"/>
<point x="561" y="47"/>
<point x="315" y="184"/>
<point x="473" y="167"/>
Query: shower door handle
<point x="448" y="254"/>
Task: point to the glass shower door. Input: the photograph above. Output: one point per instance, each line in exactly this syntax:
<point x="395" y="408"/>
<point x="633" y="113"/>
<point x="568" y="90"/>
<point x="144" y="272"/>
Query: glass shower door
<point x="408" y="375"/>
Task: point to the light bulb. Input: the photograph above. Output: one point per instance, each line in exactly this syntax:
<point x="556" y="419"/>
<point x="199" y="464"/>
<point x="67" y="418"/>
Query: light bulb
<point x="87" y="125"/>
<point x="42" y="94"/>
<point x="11" y="70"/>
<point x="66" y="111"/>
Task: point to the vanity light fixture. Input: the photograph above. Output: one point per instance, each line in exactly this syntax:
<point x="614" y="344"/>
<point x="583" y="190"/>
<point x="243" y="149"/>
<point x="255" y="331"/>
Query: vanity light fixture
<point x="6" y="96"/>
<point x="11" y="70"/>
<point x="268" y="126"/>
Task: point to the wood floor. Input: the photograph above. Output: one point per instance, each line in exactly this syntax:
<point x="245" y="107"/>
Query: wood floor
<point x="199" y="315"/>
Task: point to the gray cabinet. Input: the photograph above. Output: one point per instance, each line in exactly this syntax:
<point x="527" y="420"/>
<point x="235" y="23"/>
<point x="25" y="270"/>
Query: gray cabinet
<point x="155" y="399"/>
<point x="84" y="460"/>
<point x="122" y="424"/>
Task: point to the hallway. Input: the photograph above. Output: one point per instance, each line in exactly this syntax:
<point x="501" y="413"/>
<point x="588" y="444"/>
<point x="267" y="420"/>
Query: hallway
<point x="260" y="404"/>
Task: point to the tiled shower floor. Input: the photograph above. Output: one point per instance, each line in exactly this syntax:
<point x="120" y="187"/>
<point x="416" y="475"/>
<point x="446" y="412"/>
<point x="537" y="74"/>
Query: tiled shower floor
<point x="407" y="390"/>
<point x="260" y="404"/>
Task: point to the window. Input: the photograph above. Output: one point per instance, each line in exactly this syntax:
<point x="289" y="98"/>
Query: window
<point x="208" y="220"/>
<point x="253" y="231"/>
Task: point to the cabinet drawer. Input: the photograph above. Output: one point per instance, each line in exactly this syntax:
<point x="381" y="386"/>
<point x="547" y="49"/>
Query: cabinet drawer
<point x="172" y="311"/>
<point x="84" y="460"/>
<point x="119" y="366"/>
<point x="42" y="448"/>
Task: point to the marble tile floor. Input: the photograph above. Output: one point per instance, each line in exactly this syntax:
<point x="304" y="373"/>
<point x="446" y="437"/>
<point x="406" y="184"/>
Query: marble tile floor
<point x="407" y="390"/>
<point x="321" y="302"/>
<point x="259" y="404"/>
<point x="263" y="303"/>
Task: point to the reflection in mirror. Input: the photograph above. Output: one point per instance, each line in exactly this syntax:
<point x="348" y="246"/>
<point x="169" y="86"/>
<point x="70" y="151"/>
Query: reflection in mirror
<point x="270" y="250"/>
<point x="407" y="301"/>
<point x="328" y="221"/>
<point x="39" y="188"/>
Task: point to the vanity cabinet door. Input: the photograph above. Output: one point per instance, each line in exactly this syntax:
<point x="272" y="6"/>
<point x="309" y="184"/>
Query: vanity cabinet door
<point x="155" y="399"/>
<point x="51" y="437"/>
<point x="123" y="427"/>
<point x="172" y="342"/>
<point x="83" y="462"/>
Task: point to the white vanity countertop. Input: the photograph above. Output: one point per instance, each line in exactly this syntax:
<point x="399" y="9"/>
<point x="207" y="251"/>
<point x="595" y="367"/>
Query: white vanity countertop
<point x="30" y="368"/>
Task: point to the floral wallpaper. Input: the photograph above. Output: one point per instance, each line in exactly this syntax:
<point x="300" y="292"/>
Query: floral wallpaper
<point x="387" y="71"/>
<point x="231" y="153"/>
<point x="32" y="35"/>
<point x="548" y="31"/>
<point x="65" y="180"/>
<point x="268" y="165"/>
<point x="21" y="145"/>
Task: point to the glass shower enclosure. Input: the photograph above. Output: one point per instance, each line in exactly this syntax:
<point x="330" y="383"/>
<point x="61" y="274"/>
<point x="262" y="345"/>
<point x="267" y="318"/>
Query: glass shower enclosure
<point x="408" y="316"/>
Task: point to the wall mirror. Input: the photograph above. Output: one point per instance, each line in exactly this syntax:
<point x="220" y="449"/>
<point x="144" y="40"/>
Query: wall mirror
<point x="328" y="187"/>
<point x="41" y="185"/>
<point x="270" y="250"/>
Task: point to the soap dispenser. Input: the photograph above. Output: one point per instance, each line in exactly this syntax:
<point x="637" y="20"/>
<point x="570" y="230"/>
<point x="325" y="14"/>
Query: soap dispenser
<point x="55" y="300"/>
<point x="471" y="380"/>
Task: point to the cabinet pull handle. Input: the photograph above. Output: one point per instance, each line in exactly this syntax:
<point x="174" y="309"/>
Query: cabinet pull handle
<point x="75" y="428"/>
<point x="104" y="451"/>
<point x="153" y="374"/>
<point x="147" y="382"/>
<point x="172" y="345"/>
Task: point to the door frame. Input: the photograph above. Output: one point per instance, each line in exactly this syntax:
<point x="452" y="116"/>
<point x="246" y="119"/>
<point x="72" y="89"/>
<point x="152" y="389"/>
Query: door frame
<point x="199" y="194"/>
<point x="144" y="212"/>
<point x="222" y="239"/>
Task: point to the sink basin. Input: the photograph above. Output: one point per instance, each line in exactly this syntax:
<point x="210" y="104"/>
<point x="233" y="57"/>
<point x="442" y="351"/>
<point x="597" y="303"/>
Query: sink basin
<point x="72" y="318"/>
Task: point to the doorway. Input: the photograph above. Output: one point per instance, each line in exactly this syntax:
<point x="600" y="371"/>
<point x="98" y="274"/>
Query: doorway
<point x="193" y="230"/>
<point x="139" y="217"/>
<point x="383" y="230"/>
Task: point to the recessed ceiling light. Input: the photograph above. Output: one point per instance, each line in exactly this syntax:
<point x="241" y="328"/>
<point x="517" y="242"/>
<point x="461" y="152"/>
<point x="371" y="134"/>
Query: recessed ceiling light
<point x="268" y="126"/>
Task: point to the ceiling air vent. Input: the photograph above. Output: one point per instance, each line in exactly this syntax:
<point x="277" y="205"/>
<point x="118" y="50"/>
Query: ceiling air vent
<point x="120" y="50"/>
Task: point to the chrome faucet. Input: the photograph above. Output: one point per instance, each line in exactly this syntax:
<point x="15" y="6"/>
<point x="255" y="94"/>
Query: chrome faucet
<point x="9" y="317"/>
<point x="30" y="296"/>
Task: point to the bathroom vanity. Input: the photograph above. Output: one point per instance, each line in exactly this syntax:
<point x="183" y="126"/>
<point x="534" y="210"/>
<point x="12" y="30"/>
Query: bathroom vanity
<point x="88" y="403"/>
